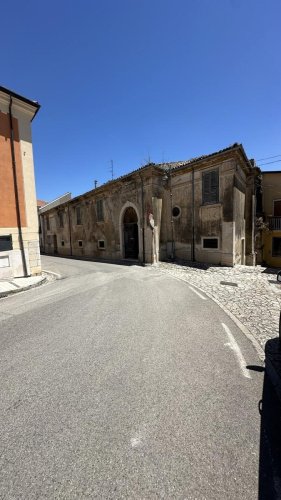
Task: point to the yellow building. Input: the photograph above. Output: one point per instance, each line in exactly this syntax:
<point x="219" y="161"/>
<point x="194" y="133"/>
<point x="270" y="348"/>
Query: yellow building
<point x="271" y="187"/>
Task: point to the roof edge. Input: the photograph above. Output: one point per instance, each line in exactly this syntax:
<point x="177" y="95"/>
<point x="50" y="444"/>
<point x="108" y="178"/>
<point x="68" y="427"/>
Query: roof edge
<point x="11" y="93"/>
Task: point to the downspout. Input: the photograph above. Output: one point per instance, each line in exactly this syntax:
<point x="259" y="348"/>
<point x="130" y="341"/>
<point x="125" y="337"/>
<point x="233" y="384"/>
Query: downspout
<point x="16" y="189"/>
<point x="193" y="220"/>
<point x="70" y="235"/>
<point x="143" y="221"/>
<point x="253" y="226"/>
<point x="172" y="221"/>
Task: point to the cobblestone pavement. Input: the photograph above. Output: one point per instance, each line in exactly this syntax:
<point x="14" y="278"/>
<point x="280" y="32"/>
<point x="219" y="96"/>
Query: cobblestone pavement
<point x="251" y="294"/>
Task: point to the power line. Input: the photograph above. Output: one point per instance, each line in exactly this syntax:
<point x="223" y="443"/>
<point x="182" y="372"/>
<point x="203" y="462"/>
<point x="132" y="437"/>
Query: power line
<point x="268" y="158"/>
<point x="269" y="163"/>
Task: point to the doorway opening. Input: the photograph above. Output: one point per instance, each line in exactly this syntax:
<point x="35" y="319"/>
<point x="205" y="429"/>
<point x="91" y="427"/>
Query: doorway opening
<point x="131" y="234"/>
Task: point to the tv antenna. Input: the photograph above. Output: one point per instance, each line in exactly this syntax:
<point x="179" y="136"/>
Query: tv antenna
<point x="111" y="169"/>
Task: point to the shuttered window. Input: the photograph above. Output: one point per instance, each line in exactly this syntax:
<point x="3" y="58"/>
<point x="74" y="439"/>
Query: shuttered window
<point x="100" y="216"/>
<point x="61" y="219"/>
<point x="277" y="208"/>
<point x="78" y="216"/>
<point x="210" y="185"/>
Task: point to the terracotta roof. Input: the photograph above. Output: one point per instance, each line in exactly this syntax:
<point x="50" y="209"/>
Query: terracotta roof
<point x="41" y="203"/>
<point x="175" y="165"/>
<point x="183" y="163"/>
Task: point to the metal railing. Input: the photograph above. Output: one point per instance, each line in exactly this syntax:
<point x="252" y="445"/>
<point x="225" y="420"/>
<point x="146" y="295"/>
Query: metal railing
<point x="274" y="223"/>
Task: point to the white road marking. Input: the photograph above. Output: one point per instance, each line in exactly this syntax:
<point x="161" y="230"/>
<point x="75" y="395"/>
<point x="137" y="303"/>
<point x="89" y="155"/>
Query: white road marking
<point x="197" y="293"/>
<point x="235" y="347"/>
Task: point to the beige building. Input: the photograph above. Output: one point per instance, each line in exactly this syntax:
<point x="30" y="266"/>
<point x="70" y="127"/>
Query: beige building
<point x="200" y="209"/>
<point x="271" y="189"/>
<point x="19" y="241"/>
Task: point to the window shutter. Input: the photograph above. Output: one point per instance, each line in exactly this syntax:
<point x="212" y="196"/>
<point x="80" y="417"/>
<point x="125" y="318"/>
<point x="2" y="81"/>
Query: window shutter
<point x="211" y="187"/>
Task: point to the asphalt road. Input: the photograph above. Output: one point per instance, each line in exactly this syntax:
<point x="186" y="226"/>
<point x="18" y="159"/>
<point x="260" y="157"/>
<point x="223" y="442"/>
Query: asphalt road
<point x="120" y="382"/>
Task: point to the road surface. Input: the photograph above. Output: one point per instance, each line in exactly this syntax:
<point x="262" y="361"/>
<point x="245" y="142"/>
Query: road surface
<point x="120" y="382"/>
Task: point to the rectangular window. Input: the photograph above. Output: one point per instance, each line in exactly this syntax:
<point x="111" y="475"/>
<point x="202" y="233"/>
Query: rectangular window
<point x="210" y="243"/>
<point x="6" y="243"/>
<point x="101" y="244"/>
<point x="62" y="243"/>
<point x="80" y="243"/>
<point x="277" y="208"/>
<point x="210" y="187"/>
<point x="61" y="219"/>
<point x="276" y="247"/>
<point x="78" y="216"/>
<point x="100" y="210"/>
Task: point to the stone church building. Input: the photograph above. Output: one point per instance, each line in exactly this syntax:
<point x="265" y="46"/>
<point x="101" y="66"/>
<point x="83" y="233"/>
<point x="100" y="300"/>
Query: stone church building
<point x="201" y="209"/>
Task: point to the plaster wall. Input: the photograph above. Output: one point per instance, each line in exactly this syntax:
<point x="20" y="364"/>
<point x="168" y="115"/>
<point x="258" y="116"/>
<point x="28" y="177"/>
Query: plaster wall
<point x="110" y="230"/>
<point x="22" y="114"/>
<point x="271" y="185"/>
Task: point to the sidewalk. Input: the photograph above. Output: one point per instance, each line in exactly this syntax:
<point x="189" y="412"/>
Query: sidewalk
<point x="10" y="286"/>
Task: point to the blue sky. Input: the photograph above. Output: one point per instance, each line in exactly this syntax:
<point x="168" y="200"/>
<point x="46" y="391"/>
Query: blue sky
<point x="132" y="81"/>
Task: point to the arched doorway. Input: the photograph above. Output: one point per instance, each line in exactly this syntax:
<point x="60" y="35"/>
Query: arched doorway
<point x="131" y="234"/>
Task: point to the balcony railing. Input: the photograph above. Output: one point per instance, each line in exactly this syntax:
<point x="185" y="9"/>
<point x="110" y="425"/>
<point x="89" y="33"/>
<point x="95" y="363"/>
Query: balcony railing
<point x="274" y="223"/>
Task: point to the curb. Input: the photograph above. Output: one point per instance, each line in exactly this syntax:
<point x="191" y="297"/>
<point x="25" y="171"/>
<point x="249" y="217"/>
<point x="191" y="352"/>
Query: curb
<point x="44" y="279"/>
<point x="266" y="357"/>
<point x="23" y="289"/>
<point x="57" y="276"/>
<point x="238" y="323"/>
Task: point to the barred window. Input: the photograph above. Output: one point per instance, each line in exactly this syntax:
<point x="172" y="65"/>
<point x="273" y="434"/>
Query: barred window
<point x="210" y="185"/>
<point x="100" y="216"/>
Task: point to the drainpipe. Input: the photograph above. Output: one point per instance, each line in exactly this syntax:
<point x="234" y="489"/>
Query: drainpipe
<point x="193" y="220"/>
<point x="16" y="189"/>
<point x="69" y="226"/>
<point x="253" y="227"/>
<point x="143" y="221"/>
<point x="172" y="221"/>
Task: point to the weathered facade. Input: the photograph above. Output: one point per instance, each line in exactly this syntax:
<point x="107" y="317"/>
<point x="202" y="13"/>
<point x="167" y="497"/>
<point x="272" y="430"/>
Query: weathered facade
<point x="19" y="241"/>
<point x="201" y="209"/>
<point x="271" y="236"/>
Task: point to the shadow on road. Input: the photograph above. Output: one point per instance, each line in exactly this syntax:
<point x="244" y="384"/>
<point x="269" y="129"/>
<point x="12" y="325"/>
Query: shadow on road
<point x="270" y="435"/>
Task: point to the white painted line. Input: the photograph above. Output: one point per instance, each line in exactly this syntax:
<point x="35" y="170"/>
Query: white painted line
<point x="235" y="347"/>
<point x="197" y="293"/>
